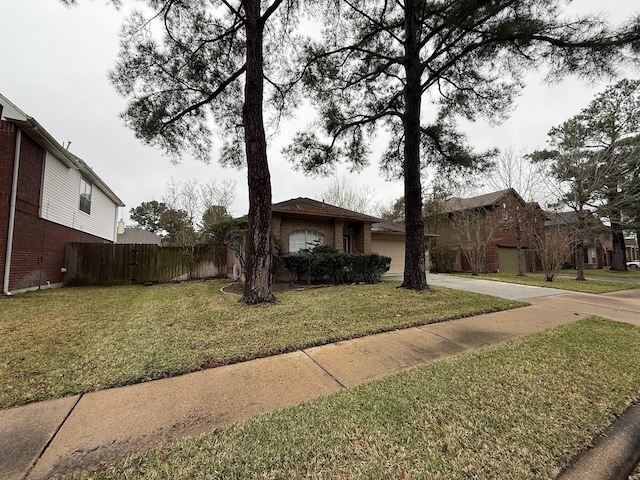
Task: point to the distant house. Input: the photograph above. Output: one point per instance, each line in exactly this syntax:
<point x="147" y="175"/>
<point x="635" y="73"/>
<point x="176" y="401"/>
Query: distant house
<point x="302" y="222"/>
<point x="496" y="217"/>
<point x="597" y="246"/>
<point x="129" y="235"/>
<point x="49" y="197"/>
<point x="631" y="245"/>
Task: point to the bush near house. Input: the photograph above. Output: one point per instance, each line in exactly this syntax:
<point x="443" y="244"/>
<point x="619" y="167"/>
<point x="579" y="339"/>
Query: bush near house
<point x="443" y="259"/>
<point x="324" y="263"/>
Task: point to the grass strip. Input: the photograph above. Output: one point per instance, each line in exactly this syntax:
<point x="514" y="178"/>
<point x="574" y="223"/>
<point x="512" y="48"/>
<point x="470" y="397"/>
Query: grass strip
<point x="630" y="274"/>
<point x="74" y="340"/>
<point x="563" y="283"/>
<point x="521" y="409"/>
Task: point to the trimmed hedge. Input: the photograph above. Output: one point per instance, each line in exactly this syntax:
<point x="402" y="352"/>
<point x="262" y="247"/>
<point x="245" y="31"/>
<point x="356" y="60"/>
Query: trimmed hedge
<point x="325" y="263"/>
<point x="443" y="259"/>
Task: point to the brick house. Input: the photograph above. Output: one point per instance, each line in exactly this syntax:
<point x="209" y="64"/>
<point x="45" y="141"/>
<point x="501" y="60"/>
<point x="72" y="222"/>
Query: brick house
<point x="497" y="218"/>
<point x="302" y="222"/>
<point x="49" y="197"/>
<point x="597" y="245"/>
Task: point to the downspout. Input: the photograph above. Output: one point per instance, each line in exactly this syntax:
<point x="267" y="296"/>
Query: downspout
<point x="12" y="214"/>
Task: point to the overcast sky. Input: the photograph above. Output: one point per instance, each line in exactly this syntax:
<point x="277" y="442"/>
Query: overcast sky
<point x="54" y="62"/>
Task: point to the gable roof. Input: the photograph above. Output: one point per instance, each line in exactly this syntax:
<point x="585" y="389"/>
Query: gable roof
<point x="307" y="206"/>
<point x="397" y="228"/>
<point x="138" y="236"/>
<point x="11" y="113"/>
<point x="553" y="219"/>
<point x="387" y="226"/>
<point x="457" y="204"/>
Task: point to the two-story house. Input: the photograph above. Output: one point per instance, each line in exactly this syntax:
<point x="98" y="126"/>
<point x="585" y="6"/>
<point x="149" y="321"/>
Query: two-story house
<point x="492" y="224"/>
<point x="48" y="197"/>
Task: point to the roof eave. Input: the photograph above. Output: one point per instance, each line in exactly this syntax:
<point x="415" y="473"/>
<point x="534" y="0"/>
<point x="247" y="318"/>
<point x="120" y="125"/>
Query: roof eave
<point x="45" y="140"/>
<point x="363" y="218"/>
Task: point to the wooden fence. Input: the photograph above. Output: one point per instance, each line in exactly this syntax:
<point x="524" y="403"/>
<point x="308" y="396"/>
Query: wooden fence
<point x="113" y="264"/>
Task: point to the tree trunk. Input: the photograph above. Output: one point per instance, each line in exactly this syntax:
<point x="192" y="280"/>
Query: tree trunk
<point x="619" y="255"/>
<point x="519" y="244"/>
<point x="579" y="245"/>
<point x="257" y="287"/>
<point x="414" y="265"/>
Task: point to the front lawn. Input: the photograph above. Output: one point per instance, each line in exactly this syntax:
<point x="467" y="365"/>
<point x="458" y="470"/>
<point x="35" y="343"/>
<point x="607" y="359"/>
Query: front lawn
<point x="72" y="340"/>
<point x="629" y="275"/>
<point x="561" y="282"/>
<point x="522" y="410"/>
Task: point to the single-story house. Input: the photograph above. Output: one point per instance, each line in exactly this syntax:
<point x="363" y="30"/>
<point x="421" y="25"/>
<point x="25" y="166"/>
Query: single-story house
<point x="49" y="197"/>
<point x="300" y="223"/>
<point x="131" y="235"/>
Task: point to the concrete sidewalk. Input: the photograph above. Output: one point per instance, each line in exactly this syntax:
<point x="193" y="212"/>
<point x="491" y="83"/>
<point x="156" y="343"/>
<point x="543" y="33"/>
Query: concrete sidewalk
<point x="67" y="434"/>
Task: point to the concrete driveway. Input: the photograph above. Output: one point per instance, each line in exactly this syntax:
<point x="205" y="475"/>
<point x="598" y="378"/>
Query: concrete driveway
<point x="510" y="291"/>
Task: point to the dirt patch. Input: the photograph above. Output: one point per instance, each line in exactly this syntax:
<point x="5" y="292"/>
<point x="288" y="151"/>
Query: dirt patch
<point x="238" y="288"/>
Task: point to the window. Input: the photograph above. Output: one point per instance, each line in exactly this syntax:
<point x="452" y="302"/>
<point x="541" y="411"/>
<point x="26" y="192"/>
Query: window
<point x="303" y="239"/>
<point x="505" y="216"/>
<point x="85" y="195"/>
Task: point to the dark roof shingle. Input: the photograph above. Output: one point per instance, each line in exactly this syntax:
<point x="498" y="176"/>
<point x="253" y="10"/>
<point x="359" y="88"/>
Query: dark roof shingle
<point x="307" y="206"/>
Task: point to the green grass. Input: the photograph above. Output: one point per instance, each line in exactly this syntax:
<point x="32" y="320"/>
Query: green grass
<point x="561" y="282"/>
<point x="521" y="410"/>
<point x="629" y="275"/>
<point x="73" y="340"/>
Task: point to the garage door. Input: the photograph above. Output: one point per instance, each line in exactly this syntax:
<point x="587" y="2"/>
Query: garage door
<point x="390" y="247"/>
<point x="508" y="259"/>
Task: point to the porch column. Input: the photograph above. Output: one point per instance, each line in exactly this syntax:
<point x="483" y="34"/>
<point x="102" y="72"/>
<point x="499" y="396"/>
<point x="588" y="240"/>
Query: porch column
<point x="338" y="232"/>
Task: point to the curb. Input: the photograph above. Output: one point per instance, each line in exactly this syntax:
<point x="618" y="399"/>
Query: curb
<point x="615" y="454"/>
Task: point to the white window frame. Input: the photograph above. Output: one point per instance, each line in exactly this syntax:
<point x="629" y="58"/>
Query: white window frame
<point x="304" y="239"/>
<point x="86" y="189"/>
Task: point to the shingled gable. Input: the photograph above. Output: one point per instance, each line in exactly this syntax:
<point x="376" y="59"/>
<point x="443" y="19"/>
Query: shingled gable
<point x="307" y="206"/>
<point x="457" y="204"/>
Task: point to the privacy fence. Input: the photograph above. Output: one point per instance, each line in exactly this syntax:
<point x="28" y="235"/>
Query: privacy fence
<point x="113" y="264"/>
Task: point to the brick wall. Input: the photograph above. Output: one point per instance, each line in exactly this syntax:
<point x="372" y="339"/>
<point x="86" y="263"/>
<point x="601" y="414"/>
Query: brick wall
<point x="38" y="245"/>
<point x="7" y="148"/>
<point x="38" y="251"/>
<point x="289" y="225"/>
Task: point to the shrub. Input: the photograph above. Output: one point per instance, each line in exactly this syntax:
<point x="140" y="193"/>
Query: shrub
<point x="443" y="259"/>
<point x="326" y="263"/>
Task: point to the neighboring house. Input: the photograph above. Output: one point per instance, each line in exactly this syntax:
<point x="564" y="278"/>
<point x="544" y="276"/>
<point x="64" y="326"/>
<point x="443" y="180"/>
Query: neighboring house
<point x="631" y="245"/>
<point x="49" y="197"/>
<point x="129" y="235"/>
<point x="302" y="223"/>
<point x="597" y="245"/>
<point x="493" y="220"/>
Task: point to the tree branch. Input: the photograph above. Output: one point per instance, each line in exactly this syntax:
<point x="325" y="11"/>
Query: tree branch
<point x="209" y="99"/>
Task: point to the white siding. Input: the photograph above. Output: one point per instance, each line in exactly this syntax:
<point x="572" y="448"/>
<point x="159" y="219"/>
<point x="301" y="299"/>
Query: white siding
<point x="61" y="202"/>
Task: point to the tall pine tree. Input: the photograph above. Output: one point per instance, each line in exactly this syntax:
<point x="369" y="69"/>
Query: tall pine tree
<point x="379" y="62"/>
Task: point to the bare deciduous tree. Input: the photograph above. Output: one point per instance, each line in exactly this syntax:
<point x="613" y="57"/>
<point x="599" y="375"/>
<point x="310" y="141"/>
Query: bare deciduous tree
<point x="392" y="211"/>
<point x="552" y="243"/>
<point x="474" y="230"/>
<point x="343" y="193"/>
<point x="197" y="198"/>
